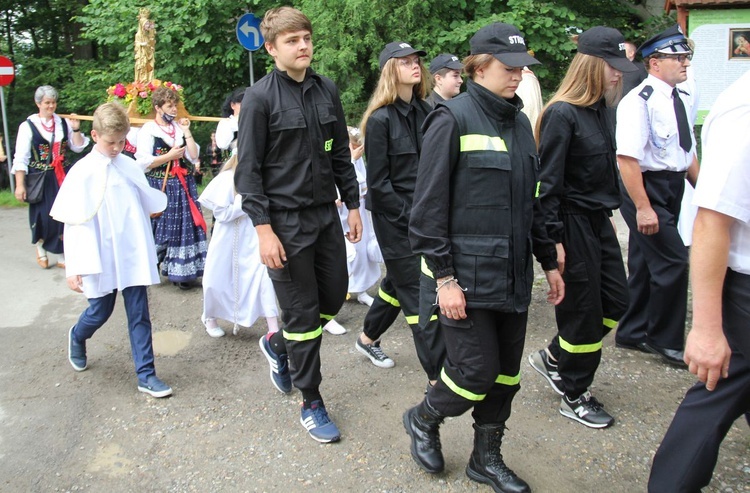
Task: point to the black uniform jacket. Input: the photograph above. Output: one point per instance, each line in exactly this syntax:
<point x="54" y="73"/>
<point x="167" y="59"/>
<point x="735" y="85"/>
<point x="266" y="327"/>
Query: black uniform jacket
<point x="475" y="212"/>
<point x="393" y="142"/>
<point x="293" y="147"/>
<point x="578" y="157"/>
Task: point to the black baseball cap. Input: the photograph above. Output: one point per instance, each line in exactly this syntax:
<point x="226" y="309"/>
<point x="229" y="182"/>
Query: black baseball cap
<point x="445" y="60"/>
<point x="606" y="43"/>
<point x="504" y="42"/>
<point x="397" y="49"/>
<point x="670" y="41"/>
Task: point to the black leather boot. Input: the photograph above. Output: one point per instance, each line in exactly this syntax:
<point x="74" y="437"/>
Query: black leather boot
<point x="486" y="464"/>
<point x="422" y="423"/>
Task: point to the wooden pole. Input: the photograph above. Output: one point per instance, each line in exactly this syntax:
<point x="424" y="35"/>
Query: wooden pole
<point x="143" y="120"/>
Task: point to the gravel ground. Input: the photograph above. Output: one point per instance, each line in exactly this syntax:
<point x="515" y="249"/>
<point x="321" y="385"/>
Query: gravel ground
<point x="227" y="429"/>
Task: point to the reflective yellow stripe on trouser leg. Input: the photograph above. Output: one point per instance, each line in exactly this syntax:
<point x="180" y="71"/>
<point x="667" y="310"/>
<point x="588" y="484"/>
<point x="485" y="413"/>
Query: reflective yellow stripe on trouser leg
<point x="303" y="336"/>
<point x="609" y="323"/>
<point x="579" y="348"/>
<point x="388" y="298"/>
<point x="508" y="380"/>
<point x="466" y="394"/>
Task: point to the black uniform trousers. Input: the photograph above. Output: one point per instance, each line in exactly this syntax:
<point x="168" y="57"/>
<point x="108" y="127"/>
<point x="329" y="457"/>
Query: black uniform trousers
<point x="596" y="296"/>
<point x="312" y="285"/>
<point x="657" y="268"/>
<point x="482" y="368"/>
<point x="399" y="291"/>
<point x="687" y="456"/>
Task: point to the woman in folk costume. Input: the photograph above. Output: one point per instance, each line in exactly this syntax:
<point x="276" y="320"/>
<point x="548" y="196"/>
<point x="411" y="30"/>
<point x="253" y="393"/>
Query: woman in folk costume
<point x="236" y="286"/>
<point x="226" y="129"/>
<point x="40" y="153"/>
<point x="167" y="151"/>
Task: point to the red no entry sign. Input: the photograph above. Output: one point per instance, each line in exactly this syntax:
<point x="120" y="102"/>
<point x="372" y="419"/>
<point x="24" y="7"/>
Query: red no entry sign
<point x="7" y="71"/>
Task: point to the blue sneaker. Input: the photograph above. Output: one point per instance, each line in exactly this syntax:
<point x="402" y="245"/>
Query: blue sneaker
<point x="154" y="387"/>
<point x="76" y="352"/>
<point x="318" y="424"/>
<point x="279" y="366"/>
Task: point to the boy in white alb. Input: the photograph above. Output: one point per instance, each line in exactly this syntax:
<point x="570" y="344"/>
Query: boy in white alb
<point x="105" y="204"/>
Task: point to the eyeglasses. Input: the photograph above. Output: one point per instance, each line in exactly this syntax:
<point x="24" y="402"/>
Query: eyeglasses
<point x="408" y="62"/>
<point x="680" y="58"/>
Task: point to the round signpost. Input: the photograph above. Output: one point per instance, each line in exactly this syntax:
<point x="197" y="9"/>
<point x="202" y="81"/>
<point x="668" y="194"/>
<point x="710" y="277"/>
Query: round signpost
<point x="7" y="74"/>
<point x="7" y="71"/>
<point x="249" y="36"/>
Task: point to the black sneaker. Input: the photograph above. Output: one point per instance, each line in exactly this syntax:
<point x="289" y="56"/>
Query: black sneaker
<point x="541" y="363"/>
<point x="376" y="355"/>
<point x="586" y="410"/>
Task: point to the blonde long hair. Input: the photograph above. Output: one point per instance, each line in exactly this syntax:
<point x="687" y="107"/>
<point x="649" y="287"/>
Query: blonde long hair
<point x="386" y="92"/>
<point x="583" y="85"/>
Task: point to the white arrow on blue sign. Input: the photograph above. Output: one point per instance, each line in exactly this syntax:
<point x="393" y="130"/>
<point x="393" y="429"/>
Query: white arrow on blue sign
<point x="248" y="32"/>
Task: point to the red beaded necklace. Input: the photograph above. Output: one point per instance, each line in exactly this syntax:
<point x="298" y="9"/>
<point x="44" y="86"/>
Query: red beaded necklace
<point x="49" y="128"/>
<point x="169" y="130"/>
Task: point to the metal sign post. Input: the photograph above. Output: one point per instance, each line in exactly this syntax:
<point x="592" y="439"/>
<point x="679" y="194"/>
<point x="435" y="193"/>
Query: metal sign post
<point x="250" y="37"/>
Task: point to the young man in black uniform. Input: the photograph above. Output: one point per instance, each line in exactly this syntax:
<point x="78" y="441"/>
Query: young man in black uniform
<point x="293" y="152"/>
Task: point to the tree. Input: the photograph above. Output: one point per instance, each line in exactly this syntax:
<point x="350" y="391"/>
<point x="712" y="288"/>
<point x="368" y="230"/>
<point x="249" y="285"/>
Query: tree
<point x="84" y="46"/>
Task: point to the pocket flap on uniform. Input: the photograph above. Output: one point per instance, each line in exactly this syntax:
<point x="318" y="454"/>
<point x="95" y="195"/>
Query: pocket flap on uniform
<point x="488" y="160"/>
<point x="286" y="119"/>
<point x="481" y="245"/>
<point x="402" y="145"/>
<point x="326" y="113"/>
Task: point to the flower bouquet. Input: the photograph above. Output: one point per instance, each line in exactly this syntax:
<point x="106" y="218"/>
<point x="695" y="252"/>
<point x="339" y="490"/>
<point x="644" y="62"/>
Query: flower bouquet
<point x="136" y="96"/>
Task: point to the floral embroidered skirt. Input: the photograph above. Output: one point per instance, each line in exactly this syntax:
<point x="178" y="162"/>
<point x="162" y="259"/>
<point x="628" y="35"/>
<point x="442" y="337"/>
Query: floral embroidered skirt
<point x="180" y="244"/>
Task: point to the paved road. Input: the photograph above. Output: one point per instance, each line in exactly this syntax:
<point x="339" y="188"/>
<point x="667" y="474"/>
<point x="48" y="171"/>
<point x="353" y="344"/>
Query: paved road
<point x="227" y="429"/>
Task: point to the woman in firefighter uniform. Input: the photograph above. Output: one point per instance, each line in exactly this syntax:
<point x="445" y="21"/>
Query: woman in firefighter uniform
<point x="579" y="189"/>
<point x="473" y="220"/>
<point x="391" y="127"/>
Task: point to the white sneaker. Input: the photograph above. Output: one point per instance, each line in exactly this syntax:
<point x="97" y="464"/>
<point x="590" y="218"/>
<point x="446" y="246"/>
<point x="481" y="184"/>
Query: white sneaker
<point x="365" y="298"/>
<point x="334" y="328"/>
<point x="212" y="328"/>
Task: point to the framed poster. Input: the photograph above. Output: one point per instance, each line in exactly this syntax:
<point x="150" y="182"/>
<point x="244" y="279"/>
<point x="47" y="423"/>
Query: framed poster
<point x="739" y="43"/>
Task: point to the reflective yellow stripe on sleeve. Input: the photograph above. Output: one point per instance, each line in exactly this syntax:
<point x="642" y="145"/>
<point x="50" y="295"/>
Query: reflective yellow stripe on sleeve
<point x="508" y="380"/>
<point x="426" y="270"/>
<point x="433" y="318"/>
<point x="538" y="187"/>
<point x="580" y="348"/>
<point x="412" y="319"/>
<point x="477" y="142"/>
<point x="608" y="322"/>
<point x="470" y="396"/>
<point x="303" y="336"/>
<point x="388" y="298"/>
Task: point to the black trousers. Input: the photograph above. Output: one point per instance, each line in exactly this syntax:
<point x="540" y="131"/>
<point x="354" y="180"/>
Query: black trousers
<point x="311" y="287"/>
<point x="657" y="268"/>
<point x="687" y="456"/>
<point x="596" y="296"/>
<point x="482" y="369"/>
<point x="399" y="291"/>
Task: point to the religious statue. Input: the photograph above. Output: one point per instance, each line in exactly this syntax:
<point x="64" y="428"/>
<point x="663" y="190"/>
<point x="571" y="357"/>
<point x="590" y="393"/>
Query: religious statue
<point x="145" y="46"/>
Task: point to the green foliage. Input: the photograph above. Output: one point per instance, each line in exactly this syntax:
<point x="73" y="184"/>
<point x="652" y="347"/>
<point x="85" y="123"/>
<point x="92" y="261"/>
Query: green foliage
<point x="7" y="199"/>
<point x="196" y="44"/>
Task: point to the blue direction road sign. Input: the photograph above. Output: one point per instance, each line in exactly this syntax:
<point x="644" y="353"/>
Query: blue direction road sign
<point x="248" y="32"/>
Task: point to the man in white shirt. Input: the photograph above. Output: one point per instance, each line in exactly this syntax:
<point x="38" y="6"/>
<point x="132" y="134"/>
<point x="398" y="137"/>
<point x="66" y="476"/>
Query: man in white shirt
<point x="718" y="346"/>
<point x="655" y="150"/>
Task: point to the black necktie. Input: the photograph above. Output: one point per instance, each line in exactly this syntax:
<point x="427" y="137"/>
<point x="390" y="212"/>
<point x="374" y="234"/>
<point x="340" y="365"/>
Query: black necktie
<point x="683" y="127"/>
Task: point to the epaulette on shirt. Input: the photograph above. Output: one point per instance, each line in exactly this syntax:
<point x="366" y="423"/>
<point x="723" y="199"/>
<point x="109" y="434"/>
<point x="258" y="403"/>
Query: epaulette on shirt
<point x="646" y="92"/>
